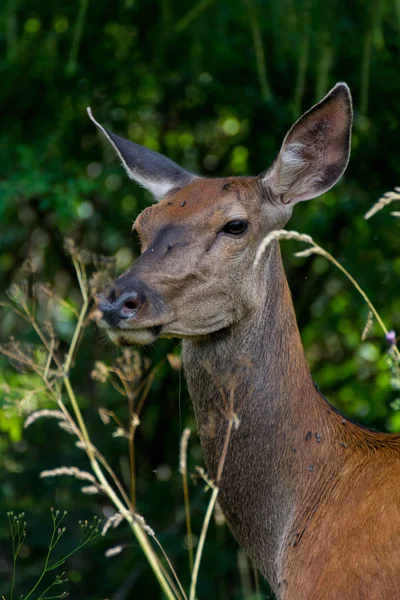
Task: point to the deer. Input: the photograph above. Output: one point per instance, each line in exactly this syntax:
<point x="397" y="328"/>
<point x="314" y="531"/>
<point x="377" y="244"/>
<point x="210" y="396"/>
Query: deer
<point x="313" y="498"/>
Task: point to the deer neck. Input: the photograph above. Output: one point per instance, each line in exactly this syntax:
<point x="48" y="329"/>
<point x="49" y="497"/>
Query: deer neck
<point x="280" y="444"/>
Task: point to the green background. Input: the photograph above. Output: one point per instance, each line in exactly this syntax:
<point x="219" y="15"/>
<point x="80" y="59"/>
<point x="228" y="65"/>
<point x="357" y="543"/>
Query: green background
<point x="215" y="86"/>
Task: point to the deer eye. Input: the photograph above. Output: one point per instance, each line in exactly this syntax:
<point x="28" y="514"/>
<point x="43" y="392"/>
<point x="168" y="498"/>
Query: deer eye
<point x="236" y="227"/>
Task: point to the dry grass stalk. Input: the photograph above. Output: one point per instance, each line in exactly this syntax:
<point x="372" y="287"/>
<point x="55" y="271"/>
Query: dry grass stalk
<point x="68" y="427"/>
<point x="72" y="471"/>
<point x="183" y="451"/>
<point x="120" y="432"/>
<point x="135" y="421"/>
<point x="202" y="538"/>
<point x="280" y="234"/>
<point x="368" y="326"/>
<point x="126" y="376"/>
<point x="244" y="572"/>
<point x="104" y="416"/>
<point x="139" y="519"/>
<point x="44" y="413"/>
<point x="53" y="377"/>
<point x="210" y="484"/>
<point x="90" y="490"/>
<point x="100" y="372"/>
<point x="386" y="199"/>
<point x="174" y="361"/>
<point x="256" y="582"/>
<point x="44" y="289"/>
<point x="232" y="419"/>
<point x="113" y="551"/>
<point x="183" y="471"/>
<point x="219" y="516"/>
<point x="115" y="520"/>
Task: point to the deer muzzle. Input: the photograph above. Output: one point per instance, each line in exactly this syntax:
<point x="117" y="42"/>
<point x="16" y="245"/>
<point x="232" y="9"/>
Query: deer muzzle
<point x="121" y="309"/>
<point x="131" y="313"/>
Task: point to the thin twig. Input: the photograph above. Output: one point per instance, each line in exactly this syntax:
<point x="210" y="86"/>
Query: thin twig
<point x="210" y="508"/>
<point x="49" y="357"/>
<point x="133" y="423"/>
<point x="303" y="59"/>
<point x="131" y="446"/>
<point x="259" y="51"/>
<point x="192" y="14"/>
<point x="202" y="539"/>
<point x="39" y="332"/>
<point x="71" y="67"/>
<point x="172" y="569"/>
<point x="51" y="294"/>
<point x="256" y="581"/>
<point x="365" y="71"/>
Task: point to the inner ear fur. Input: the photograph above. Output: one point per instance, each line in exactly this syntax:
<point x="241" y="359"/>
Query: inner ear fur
<point x="315" y="151"/>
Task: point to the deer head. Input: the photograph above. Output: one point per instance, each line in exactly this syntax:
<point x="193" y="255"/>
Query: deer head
<point x="195" y="275"/>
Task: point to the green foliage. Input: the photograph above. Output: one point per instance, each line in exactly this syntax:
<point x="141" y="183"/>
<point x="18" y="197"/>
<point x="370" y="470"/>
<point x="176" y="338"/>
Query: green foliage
<point x="89" y="532"/>
<point x="215" y="86"/>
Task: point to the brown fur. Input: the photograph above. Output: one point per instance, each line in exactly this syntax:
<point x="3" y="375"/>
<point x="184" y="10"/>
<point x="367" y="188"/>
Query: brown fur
<point x="313" y="498"/>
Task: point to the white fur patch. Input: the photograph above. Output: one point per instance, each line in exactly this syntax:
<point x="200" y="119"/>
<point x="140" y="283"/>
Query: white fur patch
<point x="291" y="155"/>
<point x="135" y="337"/>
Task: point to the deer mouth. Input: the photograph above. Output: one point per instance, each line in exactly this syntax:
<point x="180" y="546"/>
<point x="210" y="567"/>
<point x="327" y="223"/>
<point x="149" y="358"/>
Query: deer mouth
<point x="130" y="334"/>
<point x="135" y="337"/>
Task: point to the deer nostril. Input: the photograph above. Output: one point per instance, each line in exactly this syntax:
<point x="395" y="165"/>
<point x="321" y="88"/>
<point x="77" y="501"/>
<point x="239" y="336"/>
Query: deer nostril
<point x="130" y="306"/>
<point x="119" y="306"/>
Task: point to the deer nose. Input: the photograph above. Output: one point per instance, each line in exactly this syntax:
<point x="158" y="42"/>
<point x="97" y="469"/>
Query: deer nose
<point x="114" y="309"/>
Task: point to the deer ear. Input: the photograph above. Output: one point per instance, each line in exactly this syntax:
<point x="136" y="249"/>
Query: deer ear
<point x="150" y="169"/>
<point x="316" y="150"/>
